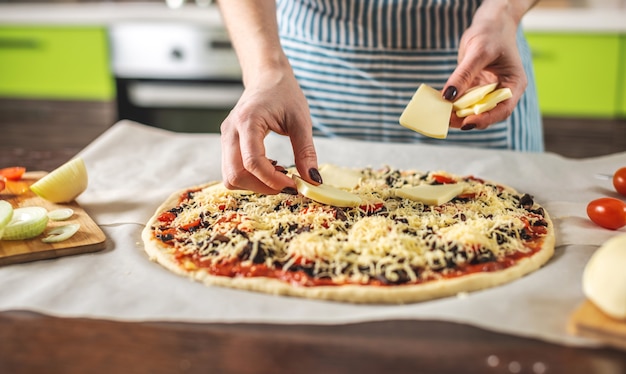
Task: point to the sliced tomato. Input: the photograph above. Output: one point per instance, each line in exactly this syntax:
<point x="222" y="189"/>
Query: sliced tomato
<point x="167" y="217"/>
<point x="607" y="212"/>
<point x="372" y="208"/>
<point x="443" y="179"/>
<point x="192" y="225"/>
<point x="13" y="173"/>
<point x="619" y="181"/>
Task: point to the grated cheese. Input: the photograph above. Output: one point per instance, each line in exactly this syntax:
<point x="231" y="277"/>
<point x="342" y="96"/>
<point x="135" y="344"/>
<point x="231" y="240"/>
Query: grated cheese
<point x="389" y="239"/>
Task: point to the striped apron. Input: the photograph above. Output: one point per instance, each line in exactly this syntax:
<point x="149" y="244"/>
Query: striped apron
<point x="360" y="61"/>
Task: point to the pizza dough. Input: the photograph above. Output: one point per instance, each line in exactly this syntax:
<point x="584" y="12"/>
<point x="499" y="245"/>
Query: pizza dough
<point x="388" y="250"/>
<point x="604" y="278"/>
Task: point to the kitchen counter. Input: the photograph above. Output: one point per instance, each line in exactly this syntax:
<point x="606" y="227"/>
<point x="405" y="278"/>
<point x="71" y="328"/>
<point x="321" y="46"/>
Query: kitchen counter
<point x="576" y="20"/>
<point x="103" y="14"/>
<point x="605" y="20"/>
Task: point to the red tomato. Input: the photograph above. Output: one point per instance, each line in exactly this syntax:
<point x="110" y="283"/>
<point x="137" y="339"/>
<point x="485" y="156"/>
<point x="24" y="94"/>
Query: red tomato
<point x="619" y="181"/>
<point x="607" y="212"/>
<point x="3" y="183"/>
<point x="13" y="173"/>
<point x="443" y="179"/>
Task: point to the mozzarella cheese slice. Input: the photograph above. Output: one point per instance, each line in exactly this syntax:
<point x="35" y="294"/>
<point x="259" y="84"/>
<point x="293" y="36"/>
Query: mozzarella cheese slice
<point x="340" y="177"/>
<point x="473" y="95"/>
<point x="436" y="194"/>
<point x="604" y="278"/>
<point x="326" y="194"/>
<point x="487" y="103"/>
<point x="427" y="113"/>
<point x="491" y="100"/>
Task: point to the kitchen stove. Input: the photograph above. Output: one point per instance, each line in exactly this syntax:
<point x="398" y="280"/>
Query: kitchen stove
<point x="174" y="75"/>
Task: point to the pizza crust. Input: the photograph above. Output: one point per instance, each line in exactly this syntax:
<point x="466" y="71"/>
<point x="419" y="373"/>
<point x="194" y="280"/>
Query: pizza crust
<point x="393" y="294"/>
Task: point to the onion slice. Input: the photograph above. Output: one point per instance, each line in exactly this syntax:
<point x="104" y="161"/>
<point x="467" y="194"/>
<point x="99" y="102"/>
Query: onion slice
<point x="61" y="233"/>
<point x="26" y="223"/>
<point x="64" y="183"/>
<point x="60" y="214"/>
<point x="6" y="214"/>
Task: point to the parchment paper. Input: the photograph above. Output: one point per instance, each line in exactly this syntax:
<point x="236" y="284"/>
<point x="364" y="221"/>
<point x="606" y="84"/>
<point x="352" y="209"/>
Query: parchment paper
<point x="133" y="168"/>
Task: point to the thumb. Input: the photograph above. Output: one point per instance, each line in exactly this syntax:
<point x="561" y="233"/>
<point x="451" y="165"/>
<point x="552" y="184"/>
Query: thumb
<point x="464" y="76"/>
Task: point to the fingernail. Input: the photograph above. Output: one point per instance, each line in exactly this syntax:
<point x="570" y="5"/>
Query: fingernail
<point x="274" y="162"/>
<point x="469" y="126"/>
<point x="315" y="175"/>
<point x="289" y="191"/>
<point x="450" y="93"/>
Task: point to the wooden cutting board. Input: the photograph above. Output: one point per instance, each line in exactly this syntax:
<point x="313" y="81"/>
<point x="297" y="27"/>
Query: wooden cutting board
<point x="89" y="237"/>
<point x="590" y="322"/>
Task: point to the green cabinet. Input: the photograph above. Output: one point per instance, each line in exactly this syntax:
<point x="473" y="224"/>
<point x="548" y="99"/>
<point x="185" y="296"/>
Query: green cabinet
<point x="577" y="74"/>
<point x="51" y="62"/>
<point x="622" y="78"/>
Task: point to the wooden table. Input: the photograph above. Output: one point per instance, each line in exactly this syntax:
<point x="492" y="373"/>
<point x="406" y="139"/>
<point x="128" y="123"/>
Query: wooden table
<point x="35" y="343"/>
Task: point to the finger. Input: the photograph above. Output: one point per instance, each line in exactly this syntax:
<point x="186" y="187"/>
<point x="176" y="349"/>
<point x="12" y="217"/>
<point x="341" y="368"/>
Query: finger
<point x="304" y="153"/>
<point x="255" y="162"/>
<point x="234" y="174"/>
<point x="456" y="121"/>
<point x="464" y="75"/>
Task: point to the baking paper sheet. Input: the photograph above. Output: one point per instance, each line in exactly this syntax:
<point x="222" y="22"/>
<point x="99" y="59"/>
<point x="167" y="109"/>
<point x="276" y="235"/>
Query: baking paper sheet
<point x="133" y="168"/>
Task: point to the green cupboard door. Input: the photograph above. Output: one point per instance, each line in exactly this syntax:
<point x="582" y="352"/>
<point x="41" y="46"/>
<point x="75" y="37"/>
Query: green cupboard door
<point x="577" y="74"/>
<point x="55" y="63"/>
<point x="622" y="78"/>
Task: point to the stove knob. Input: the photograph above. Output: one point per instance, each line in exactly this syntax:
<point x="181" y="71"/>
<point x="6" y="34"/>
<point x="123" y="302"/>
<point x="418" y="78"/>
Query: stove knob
<point x="177" y="54"/>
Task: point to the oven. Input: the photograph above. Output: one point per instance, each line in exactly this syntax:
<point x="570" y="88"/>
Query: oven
<point x="178" y="76"/>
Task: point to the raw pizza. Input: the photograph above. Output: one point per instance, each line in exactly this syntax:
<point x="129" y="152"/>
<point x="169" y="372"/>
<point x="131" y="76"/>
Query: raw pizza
<point x="407" y="236"/>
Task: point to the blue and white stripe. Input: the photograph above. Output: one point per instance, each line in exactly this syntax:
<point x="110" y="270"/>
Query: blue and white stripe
<point x="360" y="61"/>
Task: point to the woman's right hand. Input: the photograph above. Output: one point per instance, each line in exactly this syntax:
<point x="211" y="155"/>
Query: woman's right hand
<point x="273" y="102"/>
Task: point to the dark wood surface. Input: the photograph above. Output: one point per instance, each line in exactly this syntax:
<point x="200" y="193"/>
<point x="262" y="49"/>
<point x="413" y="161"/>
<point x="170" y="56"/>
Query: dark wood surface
<point x="43" y="136"/>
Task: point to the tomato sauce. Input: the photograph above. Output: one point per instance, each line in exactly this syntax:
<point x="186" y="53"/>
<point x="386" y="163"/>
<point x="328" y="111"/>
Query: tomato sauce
<point x="236" y="268"/>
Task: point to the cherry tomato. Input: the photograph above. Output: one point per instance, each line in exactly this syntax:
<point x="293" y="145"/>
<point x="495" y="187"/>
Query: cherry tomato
<point x="13" y="173"/>
<point x="607" y="212"/>
<point x="619" y="181"/>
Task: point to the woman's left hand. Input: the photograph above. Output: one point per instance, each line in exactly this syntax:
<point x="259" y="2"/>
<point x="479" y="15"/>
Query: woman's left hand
<point x="488" y="53"/>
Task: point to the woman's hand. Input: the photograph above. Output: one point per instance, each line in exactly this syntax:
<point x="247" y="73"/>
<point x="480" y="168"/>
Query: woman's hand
<point x="488" y="53"/>
<point x="272" y="101"/>
<point x="275" y="103"/>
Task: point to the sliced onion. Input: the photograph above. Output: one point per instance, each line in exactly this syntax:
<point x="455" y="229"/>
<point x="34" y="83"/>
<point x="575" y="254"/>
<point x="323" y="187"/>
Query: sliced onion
<point x="26" y="223"/>
<point x="60" y="214"/>
<point x="61" y="233"/>
<point x="64" y="183"/>
<point x="6" y="213"/>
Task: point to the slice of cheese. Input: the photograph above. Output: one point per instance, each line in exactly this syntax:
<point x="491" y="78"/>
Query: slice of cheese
<point x="427" y="113"/>
<point x="604" y="278"/>
<point x="491" y="100"/>
<point x="326" y="194"/>
<point x="340" y="177"/>
<point x="473" y="95"/>
<point x="436" y="194"/>
<point x="487" y="103"/>
<point x="465" y="112"/>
